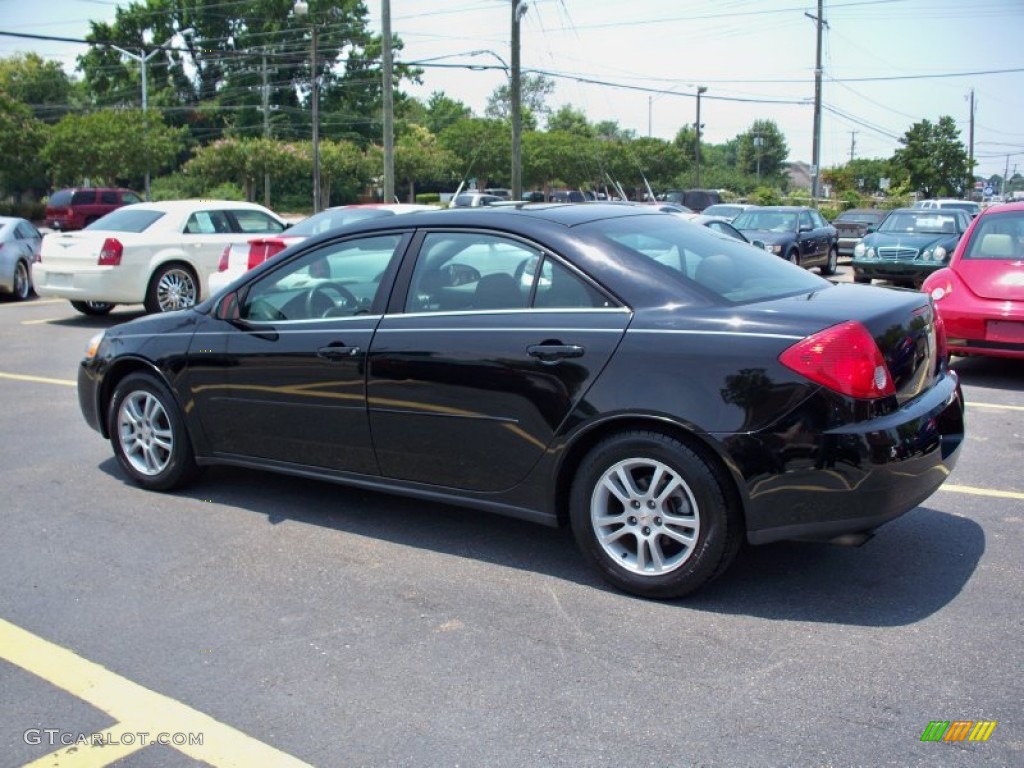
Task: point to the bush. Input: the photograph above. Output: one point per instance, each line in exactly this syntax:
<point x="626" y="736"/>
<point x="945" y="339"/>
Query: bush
<point x="429" y="198"/>
<point x="178" y="186"/>
<point x="31" y="211"/>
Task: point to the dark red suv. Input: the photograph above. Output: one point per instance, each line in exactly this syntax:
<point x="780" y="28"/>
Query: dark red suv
<point x="75" y="208"/>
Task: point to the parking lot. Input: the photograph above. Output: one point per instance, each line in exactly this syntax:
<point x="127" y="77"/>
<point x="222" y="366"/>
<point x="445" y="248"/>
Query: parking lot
<point x="268" y="621"/>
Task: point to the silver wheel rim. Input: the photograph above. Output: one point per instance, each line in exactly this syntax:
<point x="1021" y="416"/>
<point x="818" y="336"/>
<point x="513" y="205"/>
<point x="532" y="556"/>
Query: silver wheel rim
<point x="645" y="517"/>
<point x="175" y="290"/>
<point x="144" y="432"/>
<point x="21" y="289"/>
<point x="833" y="260"/>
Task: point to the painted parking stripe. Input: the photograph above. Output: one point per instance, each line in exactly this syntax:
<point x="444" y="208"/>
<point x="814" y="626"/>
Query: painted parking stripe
<point x="135" y="708"/>
<point x="995" y="406"/>
<point x="38" y="379"/>
<point x="41" y="322"/>
<point x="1017" y="495"/>
<point x="30" y="304"/>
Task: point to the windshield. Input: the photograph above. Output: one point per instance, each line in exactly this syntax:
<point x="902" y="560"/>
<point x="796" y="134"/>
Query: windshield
<point x="767" y="221"/>
<point x="325" y="220"/>
<point x="730" y="269"/>
<point x="126" y="220"/>
<point x="858" y="218"/>
<point x="930" y="222"/>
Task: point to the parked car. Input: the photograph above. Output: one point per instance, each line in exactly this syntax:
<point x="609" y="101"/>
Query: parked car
<point x="798" y="234"/>
<point x="972" y="208"/>
<point x="694" y="199"/>
<point x="157" y="254"/>
<point x="239" y="257"/>
<point x="19" y="247"/>
<point x="567" y="196"/>
<point x="980" y="294"/>
<point x="908" y="245"/>
<point x="474" y="200"/>
<point x="664" y="390"/>
<point x="727" y="211"/>
<point x="721" y="225"/>
<point x="76" y="208"/>
<point x="853" y="224"/>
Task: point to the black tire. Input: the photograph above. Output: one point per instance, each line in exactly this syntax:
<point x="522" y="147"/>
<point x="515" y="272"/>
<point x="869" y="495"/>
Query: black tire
<point x="22" y="285"/>
<point x="793" y="257"/>
<point x="830" y="266"/>
<point x="173" y="286"/>
<point x="93" y="308"/>
<point x="860" y="279"/>
<point x="641" y="553"/>
<point x="148" y="434"/>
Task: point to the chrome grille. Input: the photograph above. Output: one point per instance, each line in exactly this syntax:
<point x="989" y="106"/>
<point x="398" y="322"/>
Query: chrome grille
<point x="894" y="252"/>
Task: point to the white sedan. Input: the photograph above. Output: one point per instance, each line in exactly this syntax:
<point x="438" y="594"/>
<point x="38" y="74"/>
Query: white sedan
<point x="158" y="254"/>
<point x="239" y="257"/>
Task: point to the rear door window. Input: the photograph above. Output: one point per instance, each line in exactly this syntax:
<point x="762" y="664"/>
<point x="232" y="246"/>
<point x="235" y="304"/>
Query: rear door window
<point x="83" y="197"/>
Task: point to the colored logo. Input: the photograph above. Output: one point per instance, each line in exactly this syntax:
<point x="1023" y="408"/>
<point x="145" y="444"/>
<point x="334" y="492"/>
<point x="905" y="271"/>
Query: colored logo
<point x="958" y="730"/>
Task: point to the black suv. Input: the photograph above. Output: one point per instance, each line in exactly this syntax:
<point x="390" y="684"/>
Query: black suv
<point x="694" y="199"/>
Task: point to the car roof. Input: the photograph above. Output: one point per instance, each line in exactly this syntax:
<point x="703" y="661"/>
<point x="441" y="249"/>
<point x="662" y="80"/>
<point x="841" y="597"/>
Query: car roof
<point x="184" y="206"/>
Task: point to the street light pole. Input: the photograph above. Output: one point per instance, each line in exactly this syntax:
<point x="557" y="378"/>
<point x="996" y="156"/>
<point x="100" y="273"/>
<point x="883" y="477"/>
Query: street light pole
<point x="518" y="9"/>
<point x="700" y="89"/>
<point x="389" y="105"/>
<point x="143" y="58"/>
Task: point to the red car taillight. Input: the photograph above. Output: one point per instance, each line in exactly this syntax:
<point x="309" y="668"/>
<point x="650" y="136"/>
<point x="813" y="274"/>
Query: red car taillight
<point x="844" y="358"/>
<point x="110" y="253"/>
<point x="263" y="249"/>
<point x="222" y="265"/>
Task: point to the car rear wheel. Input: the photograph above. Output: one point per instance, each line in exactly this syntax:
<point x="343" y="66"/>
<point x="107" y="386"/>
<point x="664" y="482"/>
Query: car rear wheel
<point x="148" y="434"/>
<point x="93" y="308"/>
<point x="22" y="282"/>
<point x="652" y="516"/>
<point x="829" y="268"/>
<point x="174" y="286"/>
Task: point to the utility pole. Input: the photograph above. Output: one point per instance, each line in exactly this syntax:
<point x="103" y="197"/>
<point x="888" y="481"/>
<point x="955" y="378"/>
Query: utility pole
<point x="853" y="143"/>
<point x="700" y="89"/>
<point x="816" y="151"/>
<point x="515" y="87"/>
<point x="266" y="127"/>
<point x="389" y="106"/>
<point x="970" y="155"/>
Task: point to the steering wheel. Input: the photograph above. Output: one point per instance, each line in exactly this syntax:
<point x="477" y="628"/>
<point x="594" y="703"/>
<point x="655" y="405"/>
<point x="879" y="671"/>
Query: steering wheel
<point x="460" y="274"/>
<point x="325" y="297"/>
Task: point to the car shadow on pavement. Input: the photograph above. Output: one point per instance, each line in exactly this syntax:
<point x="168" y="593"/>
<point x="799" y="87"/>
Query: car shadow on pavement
<point x="991" y="372"/>
<point x="96" y="321"/>
<point x="911" y="569"/>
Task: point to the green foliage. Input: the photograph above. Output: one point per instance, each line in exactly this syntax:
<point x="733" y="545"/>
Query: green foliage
<point x="32" y="211"/>
<point x="762" y="147"/>
<point x="224" y="191"/>
<point x="766" y="196"/>
<point x="21" y="138"/>
<point x="29" y="79"/>
<point x="933" y="160"/>
<point x="534" y="91"/>
<point x="429" y="198"/>
<point x="568" y="120"/>
<point x="177" y="186"/>
<point x="111" y="147"/>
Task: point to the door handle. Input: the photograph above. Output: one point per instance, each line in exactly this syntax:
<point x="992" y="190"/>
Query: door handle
<point x="337" y="351"/>
<point x="552" y="353"/>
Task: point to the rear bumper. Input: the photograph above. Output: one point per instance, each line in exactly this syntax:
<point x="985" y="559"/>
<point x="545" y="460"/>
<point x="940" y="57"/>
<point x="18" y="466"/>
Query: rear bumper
<point x="117" y="285"/>
<point x="975" y="329"/>
<point x="855" y="478"/>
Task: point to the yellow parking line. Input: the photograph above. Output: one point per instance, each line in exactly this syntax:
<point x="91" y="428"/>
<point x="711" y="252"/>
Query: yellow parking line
<point x="135" y="707"/>
<point x="995" y="406"/>
<point x="42" y="321"/>
<point x="37" y="379"/>
<point x="36" y="303"/>
<point x="107" y="747"/>
<point x="982" y="491"/>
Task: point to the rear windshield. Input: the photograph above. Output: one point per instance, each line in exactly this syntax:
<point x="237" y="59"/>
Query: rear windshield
<point x="325" y="220"/>
<point x="860" y="218"/>
<point x="730" y="269"/>
<point x="61" y="199"/>
<point x="126" y="220"/>
<point x="998" y="237"/>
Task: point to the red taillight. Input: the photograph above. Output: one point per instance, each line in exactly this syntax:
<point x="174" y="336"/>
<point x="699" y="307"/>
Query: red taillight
<point x="110" y="253"/>
<point x="941" y="345"/>
<point x="225" y="255"/>
<point x="262" y="249"/>
<point x="844" y="358"/>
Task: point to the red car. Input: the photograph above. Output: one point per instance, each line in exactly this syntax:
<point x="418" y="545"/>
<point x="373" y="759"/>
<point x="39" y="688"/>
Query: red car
<point x="980" y="295"/>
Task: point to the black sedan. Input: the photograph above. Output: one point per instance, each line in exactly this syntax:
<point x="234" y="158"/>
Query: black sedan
<point x="798" y="234"/>
<point x="666" y="391"/>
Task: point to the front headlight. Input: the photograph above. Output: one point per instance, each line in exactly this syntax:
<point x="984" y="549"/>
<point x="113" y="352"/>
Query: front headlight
<point x="775" y="248"/>
<point x="94" y="345"/>
<point x="858" y="250"/>
<point x="939" y="254"/>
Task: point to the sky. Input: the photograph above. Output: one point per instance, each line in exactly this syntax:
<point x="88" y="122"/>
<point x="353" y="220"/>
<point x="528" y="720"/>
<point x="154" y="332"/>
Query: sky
<point x="886" y="64"/>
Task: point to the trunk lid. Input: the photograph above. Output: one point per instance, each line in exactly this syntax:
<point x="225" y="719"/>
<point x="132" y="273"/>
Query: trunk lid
<point x="998" y="280"/>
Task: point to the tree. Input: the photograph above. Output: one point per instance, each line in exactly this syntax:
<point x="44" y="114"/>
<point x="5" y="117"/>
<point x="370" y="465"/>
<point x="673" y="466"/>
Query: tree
<point x="41" y="85"/>
<point x="762" y="148"/>
<point x="482" y="149"/>
<point x="933" y="160"/>
<point x="419" y="156"/>
<point x="534" y="91"/>
<point x="21" y="139"/>
<point x="443" y="112"/>
<point x="569" y="120"/>
<point x="111" y="146"/>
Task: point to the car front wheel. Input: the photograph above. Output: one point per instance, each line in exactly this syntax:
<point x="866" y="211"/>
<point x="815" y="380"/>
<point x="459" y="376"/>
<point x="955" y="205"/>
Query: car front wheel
<point x="652" y="516"/>
<point x="793" y="257"/>
<point x="174" y="286"/>
<point x="148" y="434"/>
<point x="22" y="282"/>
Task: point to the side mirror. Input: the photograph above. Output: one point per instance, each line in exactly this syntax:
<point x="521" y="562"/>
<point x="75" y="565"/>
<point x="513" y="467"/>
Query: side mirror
<point x="759" y="244"/>
<point x="871" y="228"/>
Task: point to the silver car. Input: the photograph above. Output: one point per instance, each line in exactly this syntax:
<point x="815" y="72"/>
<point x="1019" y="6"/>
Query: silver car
<point x="19" y="248"/>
